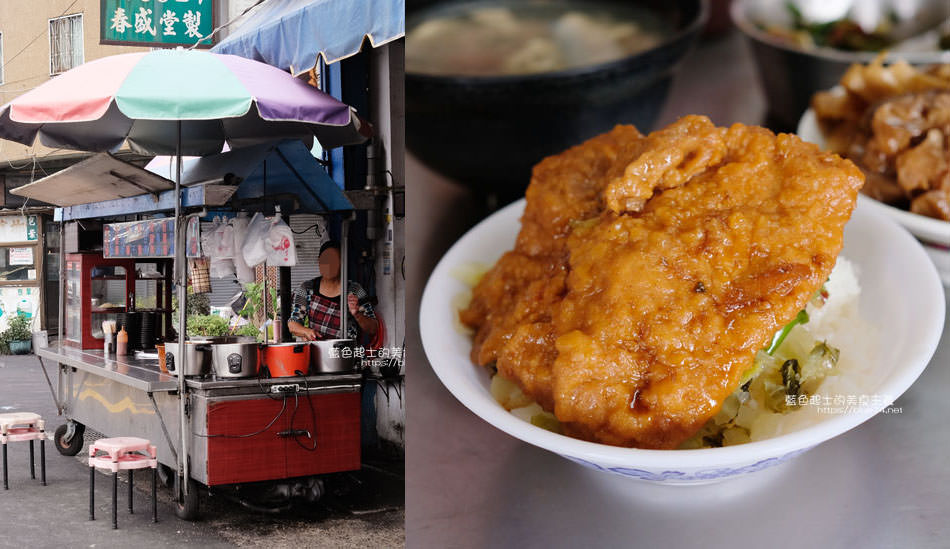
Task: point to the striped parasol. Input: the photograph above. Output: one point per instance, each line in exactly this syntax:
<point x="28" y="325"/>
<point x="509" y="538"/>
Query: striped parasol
<point x="141" y="98"/>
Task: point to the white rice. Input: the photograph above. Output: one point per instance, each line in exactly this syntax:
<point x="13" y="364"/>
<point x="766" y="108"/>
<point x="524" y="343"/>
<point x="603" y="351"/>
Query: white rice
<point x="838" y="323"/>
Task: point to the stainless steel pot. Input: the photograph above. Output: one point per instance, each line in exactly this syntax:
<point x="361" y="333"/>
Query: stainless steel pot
<point x="330" y="356"/>
<point x="198" y="354"/>
<point x="232" y="360"/>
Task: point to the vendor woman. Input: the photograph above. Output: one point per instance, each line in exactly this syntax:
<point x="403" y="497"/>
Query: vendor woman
<point x="316" y="312"/>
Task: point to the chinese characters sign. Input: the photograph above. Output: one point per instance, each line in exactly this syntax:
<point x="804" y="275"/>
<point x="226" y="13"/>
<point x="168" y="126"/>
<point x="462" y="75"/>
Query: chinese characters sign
<point x="156" y="22"/>
<point x="18" y="228"/>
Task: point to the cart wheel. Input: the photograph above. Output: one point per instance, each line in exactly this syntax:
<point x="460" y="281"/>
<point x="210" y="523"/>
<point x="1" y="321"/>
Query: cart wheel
<point x="187" y="509"/>
<point x="166" y="475"/>
<point x="72" y="446"/>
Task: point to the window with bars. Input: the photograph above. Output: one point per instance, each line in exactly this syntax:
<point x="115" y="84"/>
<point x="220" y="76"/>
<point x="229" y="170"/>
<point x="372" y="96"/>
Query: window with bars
<point x="65" y="43"/>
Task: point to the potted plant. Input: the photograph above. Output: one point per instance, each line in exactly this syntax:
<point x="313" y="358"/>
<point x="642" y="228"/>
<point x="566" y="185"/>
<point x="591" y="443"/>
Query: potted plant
<point x="18" y="338"/>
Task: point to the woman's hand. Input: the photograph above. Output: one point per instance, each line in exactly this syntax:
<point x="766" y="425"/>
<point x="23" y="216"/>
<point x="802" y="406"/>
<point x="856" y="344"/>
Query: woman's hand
<point x="300" y="330"/>
<point x="353" y="303"/>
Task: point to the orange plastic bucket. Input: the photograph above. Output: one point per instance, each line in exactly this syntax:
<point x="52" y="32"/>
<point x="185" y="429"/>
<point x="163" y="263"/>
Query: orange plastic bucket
<point x="286" y="359"/>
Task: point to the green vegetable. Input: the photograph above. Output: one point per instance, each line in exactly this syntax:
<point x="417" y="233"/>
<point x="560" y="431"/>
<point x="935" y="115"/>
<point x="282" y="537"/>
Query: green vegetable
<point x="546" y="420"/>
<point x="842" y="34"/>
<point x="800" y="318"/>
<point x="791" y="377"/>
<point x="207" y="325"/>
<point x="249" y="330"/>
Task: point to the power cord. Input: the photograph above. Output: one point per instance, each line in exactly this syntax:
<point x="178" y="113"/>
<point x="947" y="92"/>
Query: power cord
<point x="313" y="416"/>
<point x="269" y="425"/>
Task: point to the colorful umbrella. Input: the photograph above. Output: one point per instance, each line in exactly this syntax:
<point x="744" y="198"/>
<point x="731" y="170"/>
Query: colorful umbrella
<point x="142" y="97"/>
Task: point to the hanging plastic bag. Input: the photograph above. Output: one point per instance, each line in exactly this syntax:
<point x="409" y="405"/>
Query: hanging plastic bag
<point x="254" y="248"/>
<point x="208" y="236"/>
<point x="224" y="241"/>
<point x="280" y="245"/>
<point x="222" y="268"/>
<point x="245" y="274"/>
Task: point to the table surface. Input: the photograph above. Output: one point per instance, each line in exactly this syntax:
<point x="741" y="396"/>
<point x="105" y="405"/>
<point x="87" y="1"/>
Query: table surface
<point x="145" y="374"/>
<point x="883" y="484"/>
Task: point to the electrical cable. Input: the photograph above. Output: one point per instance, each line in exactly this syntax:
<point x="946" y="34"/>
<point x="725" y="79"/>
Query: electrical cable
<point x="229" y="23"/>
<point x="302" y="231"/>
<point x="37" y="37"/>
<point x="313" y="416"/>
<point x="269" y="425"/>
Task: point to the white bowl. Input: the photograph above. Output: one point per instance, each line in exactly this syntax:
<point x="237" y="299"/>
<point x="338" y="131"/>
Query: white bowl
<point x="934" y="234"/>
<point x="901" y="296"/>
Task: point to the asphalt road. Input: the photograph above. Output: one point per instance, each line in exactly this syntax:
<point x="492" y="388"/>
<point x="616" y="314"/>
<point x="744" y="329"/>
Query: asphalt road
<point x="359" y="509"/>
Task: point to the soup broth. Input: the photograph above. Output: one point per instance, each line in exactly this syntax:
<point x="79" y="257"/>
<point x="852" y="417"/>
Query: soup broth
<point x="517" y="38"/>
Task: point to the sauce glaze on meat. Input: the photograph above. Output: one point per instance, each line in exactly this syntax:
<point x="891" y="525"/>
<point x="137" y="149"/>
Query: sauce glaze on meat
<point x="649" y="271"/>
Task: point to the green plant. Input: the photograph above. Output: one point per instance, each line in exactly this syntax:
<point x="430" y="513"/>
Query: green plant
<point x="254" y="306"/>
<point x="207" y="325"/>
<point x="18" y="329"/>
<point x="198" y="304"/>
<point x="249" y="330"/>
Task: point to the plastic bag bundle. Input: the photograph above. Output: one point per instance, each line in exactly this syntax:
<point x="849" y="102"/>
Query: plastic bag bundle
<point x="222" y="268"/>
<point x="245" y="274"/>
<point x="218" y="244"/>
<point x="208" y="235"/>
<point x="224" y="241"/>
<point x="254" y="248"/>
<point x="280" y="245"/>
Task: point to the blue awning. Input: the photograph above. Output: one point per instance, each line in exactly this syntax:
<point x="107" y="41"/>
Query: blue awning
<point x="291" y="34"/>
<point x="285" y="173"/>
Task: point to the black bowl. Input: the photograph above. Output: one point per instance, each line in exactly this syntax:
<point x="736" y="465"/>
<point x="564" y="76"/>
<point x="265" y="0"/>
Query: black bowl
<point x="790" y="75"/>
<point x="487" y="132"/>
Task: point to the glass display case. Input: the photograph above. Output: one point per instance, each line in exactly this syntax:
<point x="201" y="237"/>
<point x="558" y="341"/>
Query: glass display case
<point x="99" y="289"/>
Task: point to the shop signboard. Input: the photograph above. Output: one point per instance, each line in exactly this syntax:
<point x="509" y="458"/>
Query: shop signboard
<point x="18" y="228"/>
<point x="21" y="256"/>
<point x="156" y="23"/>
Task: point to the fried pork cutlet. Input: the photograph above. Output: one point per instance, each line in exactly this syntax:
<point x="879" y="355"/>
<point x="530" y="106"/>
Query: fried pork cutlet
<point x="649" y="271"/>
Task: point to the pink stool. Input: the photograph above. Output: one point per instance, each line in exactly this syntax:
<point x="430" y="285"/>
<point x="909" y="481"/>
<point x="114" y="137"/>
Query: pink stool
<point x="18" y="427"/>
<point x="121" y="453"/>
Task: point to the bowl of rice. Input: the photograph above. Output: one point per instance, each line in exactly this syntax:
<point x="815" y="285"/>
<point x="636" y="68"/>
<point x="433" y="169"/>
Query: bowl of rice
<point x="860" y="343"/>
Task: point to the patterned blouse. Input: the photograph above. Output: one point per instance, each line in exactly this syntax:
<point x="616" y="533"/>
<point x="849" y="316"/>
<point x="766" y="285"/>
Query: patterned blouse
<point x="315" y="310"/>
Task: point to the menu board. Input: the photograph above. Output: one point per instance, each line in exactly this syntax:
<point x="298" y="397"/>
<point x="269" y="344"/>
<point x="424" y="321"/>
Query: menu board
<point x="149" y="238"/>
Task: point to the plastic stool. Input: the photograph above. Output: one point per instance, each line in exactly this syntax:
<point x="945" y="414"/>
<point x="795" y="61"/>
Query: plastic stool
<point x="19" y="427"/>
<point x="121" y="453"/>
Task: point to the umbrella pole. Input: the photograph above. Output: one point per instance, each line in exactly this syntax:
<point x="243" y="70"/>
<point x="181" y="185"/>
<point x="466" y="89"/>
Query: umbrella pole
<point x="181" y="239"/>
<point x="344" y="308"/>
<point x="61" y="330"/>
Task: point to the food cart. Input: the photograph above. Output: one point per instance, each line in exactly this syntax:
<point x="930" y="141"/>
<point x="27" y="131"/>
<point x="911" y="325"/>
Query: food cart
<point x="174" y="102"/>
<point x="286" y="429"/>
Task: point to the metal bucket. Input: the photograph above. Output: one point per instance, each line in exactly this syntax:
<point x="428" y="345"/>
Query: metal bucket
<point x="199" y="358"/>
<point x="233" y="360"/>
<point x="327" y="356"/>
